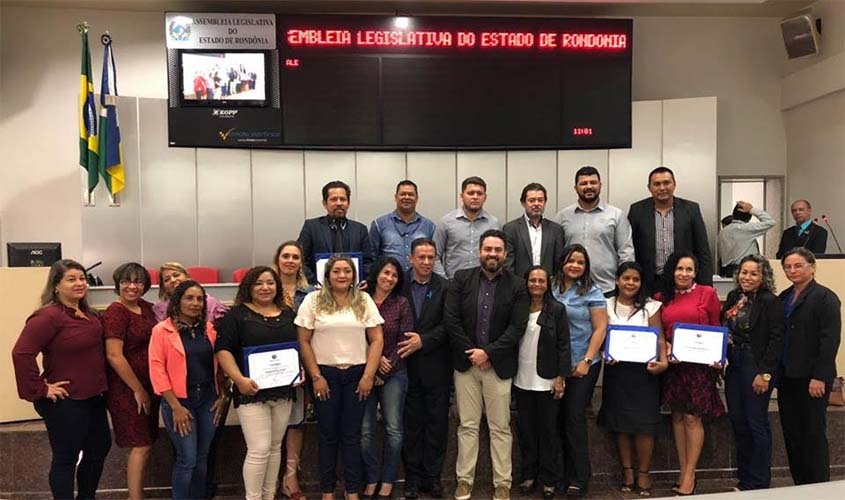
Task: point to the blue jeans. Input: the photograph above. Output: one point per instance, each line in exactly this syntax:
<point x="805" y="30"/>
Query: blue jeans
<point x="749" y="415"/>
<point x="339" y="420"/>
<point x="191" y="466"/>
<point x="391" y="396"/>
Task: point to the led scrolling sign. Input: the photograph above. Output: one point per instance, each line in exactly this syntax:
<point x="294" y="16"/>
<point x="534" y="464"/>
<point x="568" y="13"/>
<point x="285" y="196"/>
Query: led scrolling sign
<point x="307" y="37"/>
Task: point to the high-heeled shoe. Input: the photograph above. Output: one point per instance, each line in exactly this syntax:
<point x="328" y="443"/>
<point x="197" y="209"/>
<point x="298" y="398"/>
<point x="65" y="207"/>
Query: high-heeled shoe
<point x="678" y="493"/>
<point x="626" y="487"/>
<point x="642" y="491"/>
<point x="291" y="470"/>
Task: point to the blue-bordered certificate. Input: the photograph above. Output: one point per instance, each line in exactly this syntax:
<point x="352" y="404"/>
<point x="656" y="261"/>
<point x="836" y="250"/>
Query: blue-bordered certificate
<point x="635" y="344"/>
<point x="701" y="344"/>
<point x="273" y="365"/>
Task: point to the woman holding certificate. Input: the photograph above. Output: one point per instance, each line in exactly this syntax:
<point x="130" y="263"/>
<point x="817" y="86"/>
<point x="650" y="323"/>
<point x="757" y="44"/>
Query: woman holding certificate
<point x="183" y="372"/>
<point x="539" y="384"/>
<point x="586" y="309"/>
<point x="288" y="263"/>
<point x="812" y="335"/>
<point x="754" y="316"/>
<point x="341" y="341"/>
<point x="263" y="390"/>
<point x="689" y="389"/>
<point x="385" y="286"/>
<point x="631" y="390"/>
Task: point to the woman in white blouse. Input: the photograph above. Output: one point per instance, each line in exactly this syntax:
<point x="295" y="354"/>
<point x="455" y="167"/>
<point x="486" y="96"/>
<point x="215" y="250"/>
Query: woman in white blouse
<point x="631" y="391"/>
<point x="341" y="341"/>
<point x="543" y="366"/>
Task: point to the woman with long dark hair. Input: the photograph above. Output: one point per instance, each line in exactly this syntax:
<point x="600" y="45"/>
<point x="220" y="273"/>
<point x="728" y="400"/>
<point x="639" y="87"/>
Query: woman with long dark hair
<point x="689" y="389"/>
<point x="384" y="284"/>
<point x="539" y="385"/>
<point x="183" y="372"/>
<point x="69" y="393"/>
<point x="341" y="341"/>
<point x="586" y="310"/>
<point x="631" y="391"/>
<point x="754" y="316"/>
<point x="259" y="317"/>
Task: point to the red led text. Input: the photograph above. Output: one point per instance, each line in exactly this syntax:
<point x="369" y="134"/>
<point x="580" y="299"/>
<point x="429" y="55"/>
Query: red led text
<point x="483" y="40"/>
<point x="582" y="131"/>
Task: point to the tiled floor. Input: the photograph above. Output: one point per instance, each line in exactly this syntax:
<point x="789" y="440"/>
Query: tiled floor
<point x="600" y="491"/>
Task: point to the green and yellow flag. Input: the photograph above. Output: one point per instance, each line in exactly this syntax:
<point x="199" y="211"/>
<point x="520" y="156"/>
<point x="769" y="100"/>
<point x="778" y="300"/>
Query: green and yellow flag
<point x="88" y="145"/>
<point x="110" y="154"/>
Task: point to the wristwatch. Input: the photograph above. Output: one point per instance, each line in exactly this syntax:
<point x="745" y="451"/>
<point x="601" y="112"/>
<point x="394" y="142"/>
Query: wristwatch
<point x="767" y="377"/>
<point x="588" y="360"/>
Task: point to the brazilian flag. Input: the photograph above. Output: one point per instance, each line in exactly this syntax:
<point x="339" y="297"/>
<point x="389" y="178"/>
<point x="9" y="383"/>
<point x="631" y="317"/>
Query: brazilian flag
<point x="88" y="145"/>
<point x="110" y="154"/>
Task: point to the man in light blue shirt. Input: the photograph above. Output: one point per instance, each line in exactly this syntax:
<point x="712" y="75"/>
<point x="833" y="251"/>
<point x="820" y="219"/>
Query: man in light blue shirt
<point x="392" y="234"/>
<point x="458" y="232"/>
<point x="603" y="229"/>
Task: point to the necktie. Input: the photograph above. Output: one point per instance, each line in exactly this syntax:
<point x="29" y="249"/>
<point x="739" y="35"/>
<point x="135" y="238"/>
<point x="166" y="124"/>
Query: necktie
<point x="336" y="227"/>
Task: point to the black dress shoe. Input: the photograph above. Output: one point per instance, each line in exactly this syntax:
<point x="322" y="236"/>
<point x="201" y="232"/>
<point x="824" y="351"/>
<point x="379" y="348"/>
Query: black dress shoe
<point x="436" y="489"/>
<point x="412" y="490"/>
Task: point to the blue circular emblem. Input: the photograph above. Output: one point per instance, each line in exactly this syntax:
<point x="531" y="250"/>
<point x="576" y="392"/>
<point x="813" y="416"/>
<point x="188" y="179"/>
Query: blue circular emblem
<point x="180" y="31"/>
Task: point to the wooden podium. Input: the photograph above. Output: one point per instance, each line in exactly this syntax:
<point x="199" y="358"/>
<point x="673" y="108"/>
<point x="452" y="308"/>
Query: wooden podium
<point x="830" y="272"/>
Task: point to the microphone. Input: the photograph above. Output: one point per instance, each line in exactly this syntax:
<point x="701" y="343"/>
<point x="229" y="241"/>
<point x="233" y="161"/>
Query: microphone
<point x="835" y="239"/>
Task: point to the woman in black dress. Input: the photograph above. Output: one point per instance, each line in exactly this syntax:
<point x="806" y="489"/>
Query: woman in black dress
<point x="631" y="391"/>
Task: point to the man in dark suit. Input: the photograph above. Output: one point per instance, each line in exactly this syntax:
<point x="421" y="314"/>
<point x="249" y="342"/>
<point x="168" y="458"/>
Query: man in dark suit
<point x="805" y="233"/>
<point x="428" y="359"/>
<point x="664" y="224"/>
<point x="533" y="239"/>
<point x="485" y="316"/>
<point x="333" y="232"/>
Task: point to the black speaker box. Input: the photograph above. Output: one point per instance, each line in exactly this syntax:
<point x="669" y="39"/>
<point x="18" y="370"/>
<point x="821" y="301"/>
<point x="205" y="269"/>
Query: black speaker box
<point x="800" y="36"/>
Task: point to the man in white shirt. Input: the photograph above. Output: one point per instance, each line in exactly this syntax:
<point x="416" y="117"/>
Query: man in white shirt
<point x="603" y="229"/>
<point x="532" y="239"/>
<point x="739" y="237"/>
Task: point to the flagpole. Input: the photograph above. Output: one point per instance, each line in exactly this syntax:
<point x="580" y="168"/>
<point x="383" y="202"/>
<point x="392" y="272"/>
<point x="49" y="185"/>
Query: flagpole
<point x="83" y="29"/>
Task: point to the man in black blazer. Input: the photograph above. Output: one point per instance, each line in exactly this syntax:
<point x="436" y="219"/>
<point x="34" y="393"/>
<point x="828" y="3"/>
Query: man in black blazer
<point x="428" y="360"/>
<point x="664" y="224"/>
<point x="533" y="239"/>
<point x="811" y="338"/>
<point x="485" y="316"/>
<point x="805" y="233"/>
<point x="333" y="232"/>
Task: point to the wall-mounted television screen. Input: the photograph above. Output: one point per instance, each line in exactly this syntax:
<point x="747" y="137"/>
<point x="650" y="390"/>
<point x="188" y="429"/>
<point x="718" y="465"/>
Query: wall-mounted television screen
<point x="223" y="78"/>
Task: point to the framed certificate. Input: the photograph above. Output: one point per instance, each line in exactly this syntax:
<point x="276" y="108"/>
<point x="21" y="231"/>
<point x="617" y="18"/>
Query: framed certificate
<point x="320" y="260"/>
<point x="701" y="344"/>
<point x="273" y="365"/>
<point x="635" y="344"/>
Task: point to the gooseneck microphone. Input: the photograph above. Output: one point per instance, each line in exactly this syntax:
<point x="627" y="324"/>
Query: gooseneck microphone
<point x="832" y="233"/>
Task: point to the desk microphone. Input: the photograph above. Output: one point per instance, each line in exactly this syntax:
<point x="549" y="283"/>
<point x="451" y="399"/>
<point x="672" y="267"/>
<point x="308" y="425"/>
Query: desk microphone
<point x="835" y="239"/>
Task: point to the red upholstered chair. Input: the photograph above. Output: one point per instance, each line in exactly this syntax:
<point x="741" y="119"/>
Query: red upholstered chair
<point x="204" y="275"/>
<point x="238" y="274"/>
<point x="154" y="277"/>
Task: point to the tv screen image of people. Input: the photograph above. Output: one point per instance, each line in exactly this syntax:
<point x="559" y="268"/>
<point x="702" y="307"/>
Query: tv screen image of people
<point x="223" y="76"/>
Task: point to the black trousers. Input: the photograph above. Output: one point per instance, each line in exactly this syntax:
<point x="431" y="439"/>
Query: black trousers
<point x="537" y="419"/>
<point x="75" y="426"/>
<point x="426" y="431"/>
<point x="211" y="477"/>
<point x="573" y="422"/>
<point x="804" y="422"/>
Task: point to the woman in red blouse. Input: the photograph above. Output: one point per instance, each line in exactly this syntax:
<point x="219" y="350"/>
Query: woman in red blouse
<point x="69" y="393"/>
<point x="688" y="389"/>
<point x="133" y="406"/>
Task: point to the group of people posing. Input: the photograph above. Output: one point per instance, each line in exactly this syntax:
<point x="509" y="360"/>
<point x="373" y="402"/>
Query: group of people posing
<point x="405" y="315"/>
